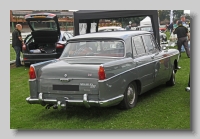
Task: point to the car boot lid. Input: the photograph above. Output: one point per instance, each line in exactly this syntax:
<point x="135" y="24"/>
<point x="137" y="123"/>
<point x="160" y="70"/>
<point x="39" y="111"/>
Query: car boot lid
<point x="42" y="17"/>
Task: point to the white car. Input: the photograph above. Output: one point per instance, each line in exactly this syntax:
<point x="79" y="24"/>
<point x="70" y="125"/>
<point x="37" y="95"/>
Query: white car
<point x="110" y="28"/>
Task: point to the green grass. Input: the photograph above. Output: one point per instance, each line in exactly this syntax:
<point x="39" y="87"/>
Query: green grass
<point x="161" y="108"/>
<point x="168" y="34"/>
<point x="12" y="53"/>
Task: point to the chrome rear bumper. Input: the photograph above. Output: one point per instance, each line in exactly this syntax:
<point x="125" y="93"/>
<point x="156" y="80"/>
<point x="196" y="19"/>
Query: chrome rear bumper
<point x="87" y="103"/>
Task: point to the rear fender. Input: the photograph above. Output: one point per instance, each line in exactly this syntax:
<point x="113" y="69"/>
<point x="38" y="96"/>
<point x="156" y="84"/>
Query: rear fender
<point x="37" y="66"/>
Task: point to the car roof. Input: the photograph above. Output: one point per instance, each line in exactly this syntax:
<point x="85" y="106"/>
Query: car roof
<point x="113" y="34"/>
<point x="109" y="27"/>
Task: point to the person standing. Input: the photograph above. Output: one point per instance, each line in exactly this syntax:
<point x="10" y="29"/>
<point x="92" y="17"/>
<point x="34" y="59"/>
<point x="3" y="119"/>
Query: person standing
<point x="175" y="25"/>
<point x="183" y="37"/>
<point x="128" y="27"/>
<point x="17" y="43"/>
<point x="182" y="18"/>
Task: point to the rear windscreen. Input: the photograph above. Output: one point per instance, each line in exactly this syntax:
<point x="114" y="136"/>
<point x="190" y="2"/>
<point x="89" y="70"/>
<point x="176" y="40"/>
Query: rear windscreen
<point x="44" y="25"/>
<point x="94" y="48"/>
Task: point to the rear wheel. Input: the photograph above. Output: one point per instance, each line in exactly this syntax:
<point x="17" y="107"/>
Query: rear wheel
<point x="172" y="80"/>
<point x="130" y="97"/>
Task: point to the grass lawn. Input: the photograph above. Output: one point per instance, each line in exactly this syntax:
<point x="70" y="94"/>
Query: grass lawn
<point x="12" y="53"/>
<point x="161" y="108"/>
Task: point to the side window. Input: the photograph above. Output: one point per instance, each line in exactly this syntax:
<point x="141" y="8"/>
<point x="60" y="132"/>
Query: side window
<point x="134" y="49"/>
<point x="148" y="42"/>
<point x="70" y="36"/>
<point x="139" y="45"/>
<point x="153" y="42"/>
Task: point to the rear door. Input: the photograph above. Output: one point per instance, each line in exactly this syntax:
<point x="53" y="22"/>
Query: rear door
<point x="142" y="60"/>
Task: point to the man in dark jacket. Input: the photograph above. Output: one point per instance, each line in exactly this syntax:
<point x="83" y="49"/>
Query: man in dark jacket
<point x="183" y="37"/>
<point x="17" y="43"/>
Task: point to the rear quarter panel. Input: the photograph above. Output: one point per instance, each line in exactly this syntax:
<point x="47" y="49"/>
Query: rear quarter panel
<point x="118" y="75"/>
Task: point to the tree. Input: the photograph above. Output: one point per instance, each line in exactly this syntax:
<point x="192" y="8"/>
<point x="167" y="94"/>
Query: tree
<point x="164" y="14"/>
<point x="177" y="13"/>
<point x="187" y="17"/>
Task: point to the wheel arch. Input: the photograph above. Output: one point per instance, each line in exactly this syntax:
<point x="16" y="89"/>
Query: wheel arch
<point x="138" y="84"/>
<point x="175" y="66"/>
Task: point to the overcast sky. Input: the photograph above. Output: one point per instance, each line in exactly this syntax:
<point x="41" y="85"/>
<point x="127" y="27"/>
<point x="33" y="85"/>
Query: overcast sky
<point x="185" y="11"/>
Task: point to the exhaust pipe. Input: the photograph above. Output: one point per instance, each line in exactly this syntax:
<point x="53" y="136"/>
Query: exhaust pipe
<point x="60" y="105"/>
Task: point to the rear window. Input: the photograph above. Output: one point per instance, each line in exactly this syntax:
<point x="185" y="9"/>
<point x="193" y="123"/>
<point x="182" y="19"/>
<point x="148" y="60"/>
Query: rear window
<point x="94" y="48"/>
<point x="44" y="25"/>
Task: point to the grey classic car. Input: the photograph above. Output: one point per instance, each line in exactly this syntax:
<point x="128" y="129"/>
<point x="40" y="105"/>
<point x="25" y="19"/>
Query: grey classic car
<point x="103" y="69"/>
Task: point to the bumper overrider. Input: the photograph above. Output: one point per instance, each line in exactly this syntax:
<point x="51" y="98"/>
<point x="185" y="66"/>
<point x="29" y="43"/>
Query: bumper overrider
<point x="65" y="101"/>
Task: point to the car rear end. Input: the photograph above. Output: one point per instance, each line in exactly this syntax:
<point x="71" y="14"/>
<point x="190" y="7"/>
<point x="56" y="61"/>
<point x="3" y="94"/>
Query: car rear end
<point x="76" y="80"/>
<point x="73" y="85"/>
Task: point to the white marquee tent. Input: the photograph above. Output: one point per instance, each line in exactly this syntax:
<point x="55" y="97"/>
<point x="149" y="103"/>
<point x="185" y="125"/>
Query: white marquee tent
<point x="145" y="21"/>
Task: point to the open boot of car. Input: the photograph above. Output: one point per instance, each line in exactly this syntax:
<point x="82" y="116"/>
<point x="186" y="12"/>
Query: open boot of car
<point x="43" y="42"/>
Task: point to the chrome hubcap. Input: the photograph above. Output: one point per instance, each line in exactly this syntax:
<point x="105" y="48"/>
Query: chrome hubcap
<point x="130" y="95"/>
<point x="173" y="77"/>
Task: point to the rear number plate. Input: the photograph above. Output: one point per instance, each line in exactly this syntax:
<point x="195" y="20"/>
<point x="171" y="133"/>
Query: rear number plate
<point x="66" y="87"/>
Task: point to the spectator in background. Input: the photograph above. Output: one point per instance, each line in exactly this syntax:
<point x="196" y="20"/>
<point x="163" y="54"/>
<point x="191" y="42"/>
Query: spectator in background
<point x="167" y="26"/>
<point x="183" y="20"/>
<point x="183" y="37"/>
<point x="128" y="27"/>
<point x="175" y="24"/>
<point x="17" y="43"/>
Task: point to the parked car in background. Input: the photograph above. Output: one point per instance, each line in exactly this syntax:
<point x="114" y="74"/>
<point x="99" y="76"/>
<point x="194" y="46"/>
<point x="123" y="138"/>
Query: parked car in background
<point x="102" y="70"/>
<point x="110" y="28"/>
<point x="162" y="28"/>
<point x="163" y="36"/>
<point x="46" y="41"/>
<point x="71" y="32"/>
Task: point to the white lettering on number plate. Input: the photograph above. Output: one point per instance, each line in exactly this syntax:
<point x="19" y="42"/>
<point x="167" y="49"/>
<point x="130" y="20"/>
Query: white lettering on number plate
<point x="91" y="85"/>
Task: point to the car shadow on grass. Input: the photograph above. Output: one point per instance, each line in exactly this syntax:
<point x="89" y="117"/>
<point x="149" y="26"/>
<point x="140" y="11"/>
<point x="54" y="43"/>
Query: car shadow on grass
<point x="83" y="113"/>
<point x="152" y="93"/>
<point x="95" y="114"/>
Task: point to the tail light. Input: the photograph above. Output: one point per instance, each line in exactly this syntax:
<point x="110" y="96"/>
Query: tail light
<point x="101" y="73"/>
<point x="59" y="45"/>
<point x="32" y="73"/>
